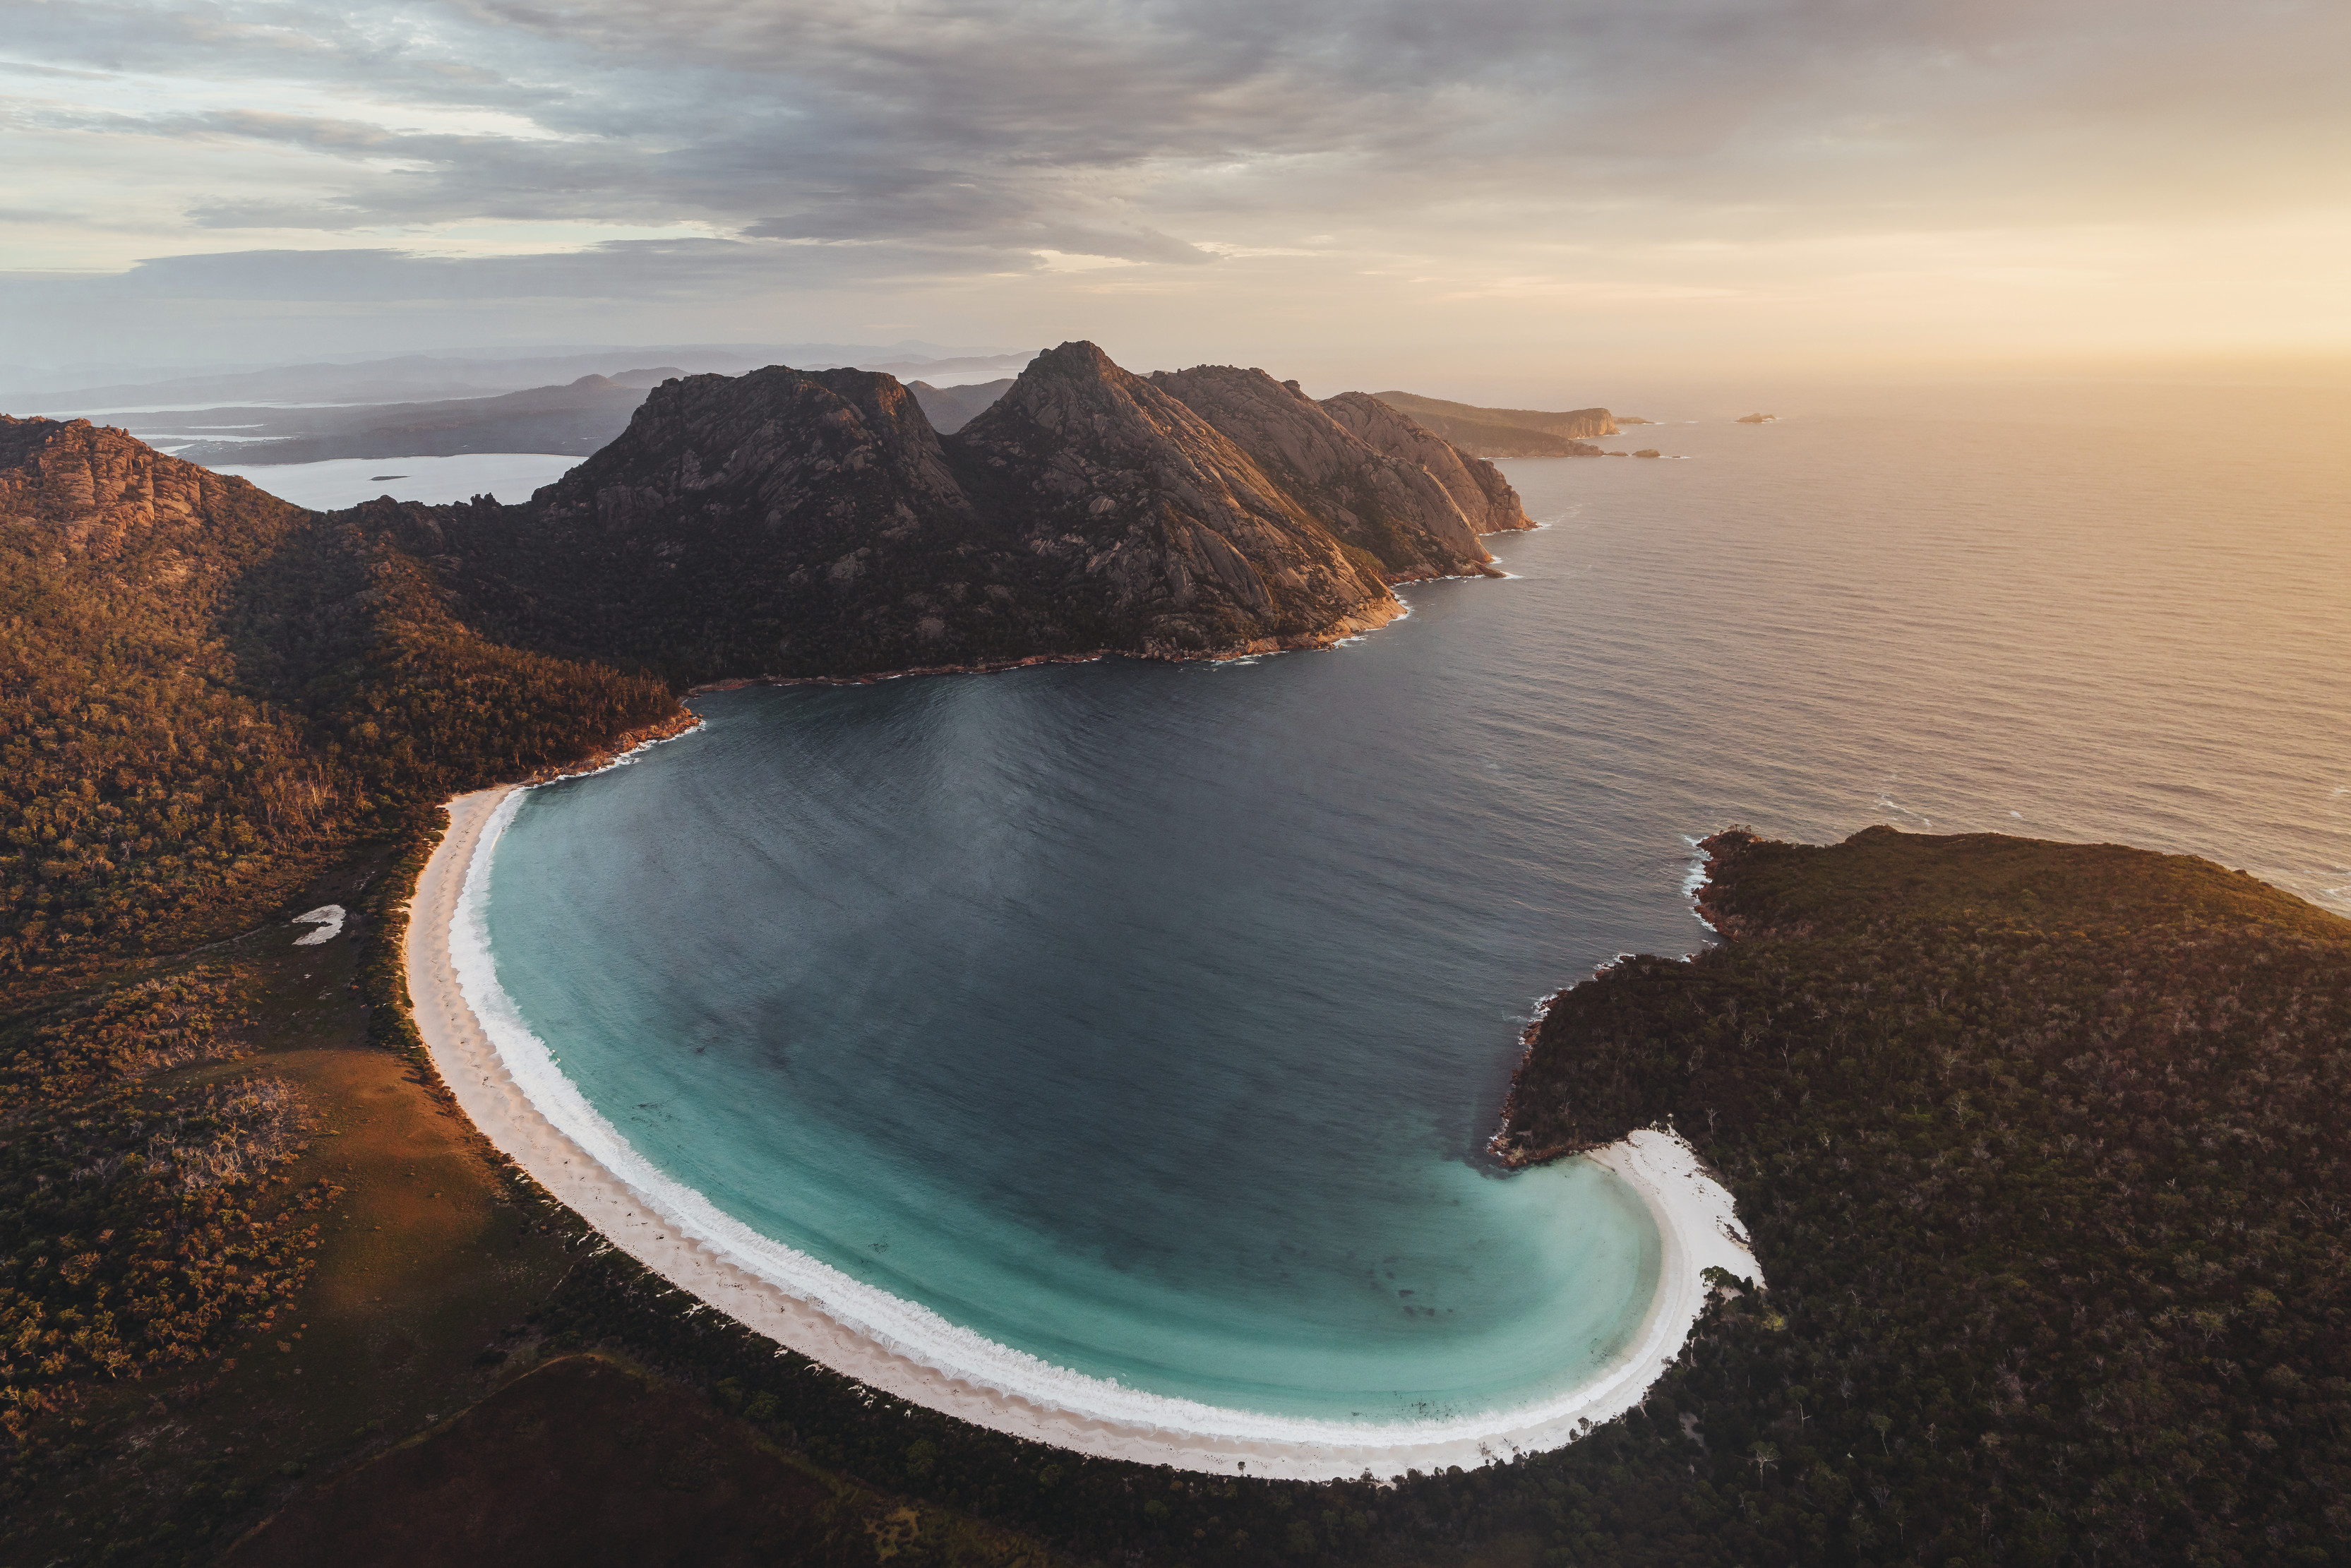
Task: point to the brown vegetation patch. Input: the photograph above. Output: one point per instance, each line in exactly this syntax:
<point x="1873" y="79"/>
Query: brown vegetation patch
<point x="587" y="1460"/>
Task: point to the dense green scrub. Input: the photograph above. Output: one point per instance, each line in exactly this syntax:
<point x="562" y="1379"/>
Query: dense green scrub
<point x="2043" y="1152"/>
<point x="139" y="1223"/>
<point x="205" y="695"/>
<point x="204" y="692"/>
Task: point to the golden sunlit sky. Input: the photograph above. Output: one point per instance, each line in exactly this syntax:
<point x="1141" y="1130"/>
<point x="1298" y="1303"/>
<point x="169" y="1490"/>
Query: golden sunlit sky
<point x="1357" y="192"/>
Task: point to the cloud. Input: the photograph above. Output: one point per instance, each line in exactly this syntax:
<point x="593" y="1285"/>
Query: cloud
<point x="842" y="143"/>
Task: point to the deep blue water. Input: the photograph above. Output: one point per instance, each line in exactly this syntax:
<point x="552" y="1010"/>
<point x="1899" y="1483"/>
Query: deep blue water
<point x="1147" y="1018"/>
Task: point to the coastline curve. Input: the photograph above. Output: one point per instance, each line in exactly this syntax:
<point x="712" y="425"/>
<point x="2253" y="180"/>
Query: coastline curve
<point x="509" y="1083"/>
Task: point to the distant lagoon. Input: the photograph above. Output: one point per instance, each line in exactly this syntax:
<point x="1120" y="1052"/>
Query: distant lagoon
<point x="341" y="482"/>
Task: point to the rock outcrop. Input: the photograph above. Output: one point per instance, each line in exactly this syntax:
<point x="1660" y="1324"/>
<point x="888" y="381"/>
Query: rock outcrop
<point x="1477" y="486"/>
<point x="1145" y="520"/>
<point x="792" y="523"/>
<point x="1390" y="506"/>
<point x="92" y="490"/>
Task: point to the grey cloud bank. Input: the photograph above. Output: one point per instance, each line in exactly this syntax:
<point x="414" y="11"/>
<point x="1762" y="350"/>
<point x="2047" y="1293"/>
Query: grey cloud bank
<point x="316" y="178"/>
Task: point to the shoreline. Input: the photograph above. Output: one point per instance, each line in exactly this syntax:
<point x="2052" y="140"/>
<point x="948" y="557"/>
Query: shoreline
<point x="1345" y="630"/>
<point x="902" y="1349"/>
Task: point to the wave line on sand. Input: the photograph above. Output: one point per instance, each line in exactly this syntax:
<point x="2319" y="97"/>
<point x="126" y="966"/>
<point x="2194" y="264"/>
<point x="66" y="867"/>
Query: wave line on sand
<point x="507" y="1080"/>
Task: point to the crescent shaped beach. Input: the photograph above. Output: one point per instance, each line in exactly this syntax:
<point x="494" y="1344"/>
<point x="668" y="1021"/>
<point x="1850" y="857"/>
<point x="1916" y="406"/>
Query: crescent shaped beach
<point x="788" y="1298"/>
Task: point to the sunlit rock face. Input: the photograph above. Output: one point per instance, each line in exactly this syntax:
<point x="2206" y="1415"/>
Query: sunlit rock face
<point x="99" y="492"/>
<point x="1476" y="486"/>
<point x="793" y="523"/>
<point x="1390" y="504"/>
<point x="1143" y="515"/>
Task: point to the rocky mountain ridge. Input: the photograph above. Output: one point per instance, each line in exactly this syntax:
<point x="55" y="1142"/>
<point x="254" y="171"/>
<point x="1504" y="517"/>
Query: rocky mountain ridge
<point x="791" y="524"/>
<point x="1506" y="432"/>
<point x="796" y="524"/>
<point x="577" y="417"/>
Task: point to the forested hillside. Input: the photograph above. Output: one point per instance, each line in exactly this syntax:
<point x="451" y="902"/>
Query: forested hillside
<point x="813" y="524"/>
<point x="2044" y="1153"/>
<point x="203" y="689"/>
<point x="2041" y="1145"/>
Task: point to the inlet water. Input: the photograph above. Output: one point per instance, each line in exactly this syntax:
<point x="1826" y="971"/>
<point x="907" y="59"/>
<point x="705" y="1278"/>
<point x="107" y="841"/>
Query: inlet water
<point x="1147" y="1018"/>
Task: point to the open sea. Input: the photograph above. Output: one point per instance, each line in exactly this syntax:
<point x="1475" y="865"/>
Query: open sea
<point x="1147" y="1020"/>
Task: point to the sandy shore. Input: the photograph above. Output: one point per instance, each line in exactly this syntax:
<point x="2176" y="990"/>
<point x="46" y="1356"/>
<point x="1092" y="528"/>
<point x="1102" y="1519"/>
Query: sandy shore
<point x="901" y="1349"/>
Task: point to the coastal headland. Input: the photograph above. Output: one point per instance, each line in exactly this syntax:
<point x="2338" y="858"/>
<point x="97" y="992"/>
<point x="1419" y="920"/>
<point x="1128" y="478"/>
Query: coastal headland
<point x="785" y="1296"/>
<point x="2038" y="1144"/>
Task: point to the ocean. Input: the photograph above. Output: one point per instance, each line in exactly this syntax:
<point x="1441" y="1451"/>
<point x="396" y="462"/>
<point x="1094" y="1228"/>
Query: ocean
<point x="1147" y="1020"/>
<point x="338" y="482"/>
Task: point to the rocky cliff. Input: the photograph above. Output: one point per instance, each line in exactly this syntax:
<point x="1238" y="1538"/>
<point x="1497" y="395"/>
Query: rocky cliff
<point x="1386" y="503"/>
<point x="94" y="492"/>
<point x="1477" y="486"/>
<point x="791" y="523"/>
<point x="1506" y="432"/>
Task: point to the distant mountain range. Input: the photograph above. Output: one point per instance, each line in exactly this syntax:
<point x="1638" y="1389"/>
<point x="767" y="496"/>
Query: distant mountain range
<point x="1506" y="432"/>
<point x="581" y="416"/>
<point x="949" y="409"/>
<point x="423" y="377"/>
<point x="576" y="419"/>
<point x="1480" y="431"/>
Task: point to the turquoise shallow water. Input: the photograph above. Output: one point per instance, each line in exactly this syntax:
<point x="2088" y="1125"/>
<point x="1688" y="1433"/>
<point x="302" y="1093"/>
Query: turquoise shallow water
<point x="1147" y="1018"/>
<point x="1052" y="1002"/>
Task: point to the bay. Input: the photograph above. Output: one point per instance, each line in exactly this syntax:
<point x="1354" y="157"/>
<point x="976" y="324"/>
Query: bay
<point x="1148" y="1019"/>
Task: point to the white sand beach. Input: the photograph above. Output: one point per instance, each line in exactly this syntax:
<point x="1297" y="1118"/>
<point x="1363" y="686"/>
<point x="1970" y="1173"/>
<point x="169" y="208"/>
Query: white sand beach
<point x="902" y="1349"/>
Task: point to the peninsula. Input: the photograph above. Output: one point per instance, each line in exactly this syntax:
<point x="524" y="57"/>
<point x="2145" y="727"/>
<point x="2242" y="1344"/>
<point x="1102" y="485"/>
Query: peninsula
<point x="2034" y="1143"/>
<point x="1509" y="431"/>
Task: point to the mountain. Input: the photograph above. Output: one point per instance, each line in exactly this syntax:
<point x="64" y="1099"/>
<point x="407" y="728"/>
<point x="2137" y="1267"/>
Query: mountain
<point x="800" y="523"/>
<point x="1376" y="494"/>
<point x="1506" y="432"/>
<point x="783" y="522"/>
<point x="1146" y="522"/>
<point x="1383" y="482"/>
<point x="949" y="409"/>
<point x="1476" y="486"/>
<point x="201" y="685"/>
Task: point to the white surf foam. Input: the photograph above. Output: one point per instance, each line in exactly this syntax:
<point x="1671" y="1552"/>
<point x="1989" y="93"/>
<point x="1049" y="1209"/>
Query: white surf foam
<point x="1656" y="1163"/>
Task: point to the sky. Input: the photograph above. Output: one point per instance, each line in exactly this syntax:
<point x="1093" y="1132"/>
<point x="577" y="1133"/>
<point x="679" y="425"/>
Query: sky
<point x="1463" y="194"/>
